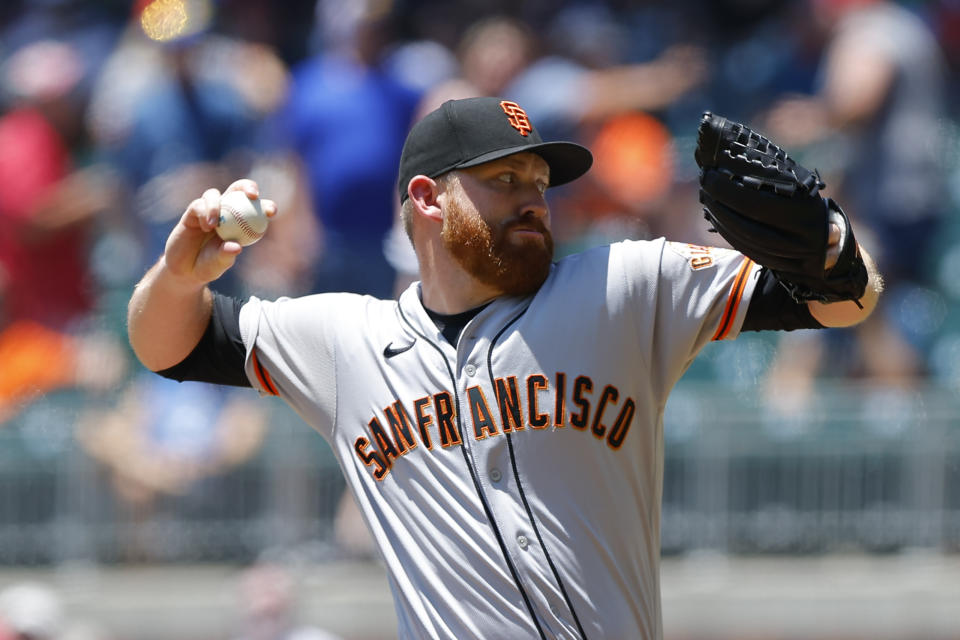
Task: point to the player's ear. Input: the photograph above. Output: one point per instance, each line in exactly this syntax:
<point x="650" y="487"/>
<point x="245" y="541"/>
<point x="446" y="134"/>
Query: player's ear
<point x="424" y="192"/>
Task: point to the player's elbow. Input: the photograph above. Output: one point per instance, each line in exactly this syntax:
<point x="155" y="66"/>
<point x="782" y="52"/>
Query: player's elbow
<point x="143" y="345"/>
<point x="135" y="335"/>
<point x="162" y="332"/>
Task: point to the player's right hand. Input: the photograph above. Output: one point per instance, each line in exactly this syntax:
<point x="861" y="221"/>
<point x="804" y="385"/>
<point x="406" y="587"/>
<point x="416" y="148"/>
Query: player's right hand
<point x="194" y="252"/>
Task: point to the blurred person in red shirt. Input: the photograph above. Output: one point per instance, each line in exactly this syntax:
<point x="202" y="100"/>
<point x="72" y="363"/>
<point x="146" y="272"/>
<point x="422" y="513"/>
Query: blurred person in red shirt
<point x="47" y="208"/>
<point x="41" y="253"/>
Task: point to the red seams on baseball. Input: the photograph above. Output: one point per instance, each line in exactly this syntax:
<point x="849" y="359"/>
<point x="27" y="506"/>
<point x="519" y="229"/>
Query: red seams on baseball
<point x="241" y="219"/>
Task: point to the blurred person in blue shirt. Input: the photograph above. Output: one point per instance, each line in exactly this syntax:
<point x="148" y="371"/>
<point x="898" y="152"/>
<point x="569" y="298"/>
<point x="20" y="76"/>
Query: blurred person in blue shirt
<point x="347" y="117"/>
<point x="178" y="108"/>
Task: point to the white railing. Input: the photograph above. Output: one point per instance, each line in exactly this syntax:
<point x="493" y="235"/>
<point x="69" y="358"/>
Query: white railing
<point x="741" y="475"/>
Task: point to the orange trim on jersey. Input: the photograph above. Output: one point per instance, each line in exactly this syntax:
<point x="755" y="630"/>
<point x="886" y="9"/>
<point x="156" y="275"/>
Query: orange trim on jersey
<point x="263" y="376"/>
<point x="733" y="301"/>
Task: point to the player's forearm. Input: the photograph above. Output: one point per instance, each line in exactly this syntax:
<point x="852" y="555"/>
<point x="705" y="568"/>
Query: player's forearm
<point x="847" y="313"/>
<point x="166" y="317"/>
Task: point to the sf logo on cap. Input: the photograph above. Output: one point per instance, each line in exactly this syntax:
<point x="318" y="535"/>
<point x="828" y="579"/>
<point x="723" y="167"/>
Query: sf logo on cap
<point x="517" y="117"/>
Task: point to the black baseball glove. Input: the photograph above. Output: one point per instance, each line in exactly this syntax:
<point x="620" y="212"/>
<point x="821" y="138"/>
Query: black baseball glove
<point x="769" y="208"/>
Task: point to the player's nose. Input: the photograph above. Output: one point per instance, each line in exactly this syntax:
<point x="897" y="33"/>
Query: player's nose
<point x="534" y="204"/>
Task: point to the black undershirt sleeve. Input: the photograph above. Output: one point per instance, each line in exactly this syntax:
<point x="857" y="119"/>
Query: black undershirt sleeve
<point x="220" y="355"/>
<point x="772" y="309"/>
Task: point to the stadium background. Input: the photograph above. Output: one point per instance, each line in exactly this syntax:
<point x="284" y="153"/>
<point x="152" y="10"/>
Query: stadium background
<point x="812" y="485"/>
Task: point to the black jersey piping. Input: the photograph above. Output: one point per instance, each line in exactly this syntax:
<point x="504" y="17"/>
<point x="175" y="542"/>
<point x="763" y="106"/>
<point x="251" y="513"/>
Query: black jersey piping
<point x="476" y="481"/>
<point x="523" y="496"/>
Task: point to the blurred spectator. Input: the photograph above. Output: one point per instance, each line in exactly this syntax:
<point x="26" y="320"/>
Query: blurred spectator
<point x="876" y="121"/>
<point x="589" y="86"/>
<point x="164" y="437"/>
<point x="35" y="611"/>
<point x="45" y="212"/>
<point x="49" y="207"/>
<point x="88" y="28"/>
<point x="577" y="74"/>
<point x="347" y="118"/>
<point x="268" y="606"/>
<point x="585" y="76"/>
<point x="31" y="611"/>
<point x="198" y="112"/>
<point x="491" y="53"/>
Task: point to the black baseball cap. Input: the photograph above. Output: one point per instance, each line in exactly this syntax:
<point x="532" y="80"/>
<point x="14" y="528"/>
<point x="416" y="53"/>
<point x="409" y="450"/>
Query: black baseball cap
<point x="468" y="132"/>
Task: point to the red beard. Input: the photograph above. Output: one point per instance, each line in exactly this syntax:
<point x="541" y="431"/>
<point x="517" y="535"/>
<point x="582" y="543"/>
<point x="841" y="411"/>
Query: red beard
<point x="515" y="268"/>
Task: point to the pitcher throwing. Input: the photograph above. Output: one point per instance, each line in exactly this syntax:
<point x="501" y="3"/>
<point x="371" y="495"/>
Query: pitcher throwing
<point x="501" y="425"/>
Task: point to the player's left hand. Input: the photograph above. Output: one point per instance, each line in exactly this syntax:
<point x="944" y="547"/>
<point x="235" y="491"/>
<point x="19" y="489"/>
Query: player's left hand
<point x="834" y="234"/>
<point x="769" y="208"/>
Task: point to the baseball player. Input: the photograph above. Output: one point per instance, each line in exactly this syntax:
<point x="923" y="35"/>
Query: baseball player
<point x="501" y="424"/>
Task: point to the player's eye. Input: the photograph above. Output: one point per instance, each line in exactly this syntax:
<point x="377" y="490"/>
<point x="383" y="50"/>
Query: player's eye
<point x="542" y="187"/>
<point x="508" y="177"/>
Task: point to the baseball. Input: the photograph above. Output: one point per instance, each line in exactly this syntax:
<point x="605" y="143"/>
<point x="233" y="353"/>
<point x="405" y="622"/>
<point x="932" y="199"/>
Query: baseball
<point x="241" y="219"/>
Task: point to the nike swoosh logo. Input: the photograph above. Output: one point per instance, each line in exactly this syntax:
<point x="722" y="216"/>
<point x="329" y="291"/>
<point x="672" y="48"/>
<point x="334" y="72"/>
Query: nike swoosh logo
<point x="389" y="351"/>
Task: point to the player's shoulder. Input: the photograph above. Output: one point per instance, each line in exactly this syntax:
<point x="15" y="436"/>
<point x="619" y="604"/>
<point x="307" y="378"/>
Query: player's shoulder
<point x="646" y="260"/>
<point x="623" y="250"/>
<point x="608" y="269"/>
<point x="671" y="253"/>
<point x="317" y="310"/>
<point x="316" y="300"/>
<point x="697" y="257"/>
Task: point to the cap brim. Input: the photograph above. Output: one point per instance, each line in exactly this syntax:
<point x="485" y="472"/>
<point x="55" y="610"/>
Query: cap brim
<point x="567" y="160"/>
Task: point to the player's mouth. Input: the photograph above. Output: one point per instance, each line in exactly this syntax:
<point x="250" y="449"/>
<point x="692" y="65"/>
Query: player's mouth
<point x="527" y="230"/>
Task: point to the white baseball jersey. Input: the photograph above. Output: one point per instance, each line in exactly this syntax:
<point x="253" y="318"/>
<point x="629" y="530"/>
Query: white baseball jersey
<point x="512" y="482"/>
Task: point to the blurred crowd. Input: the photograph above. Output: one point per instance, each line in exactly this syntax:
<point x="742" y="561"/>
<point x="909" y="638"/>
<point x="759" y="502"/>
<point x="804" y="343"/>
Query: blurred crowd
<point x="264" y="605"/>
<point x="115" y="114"/>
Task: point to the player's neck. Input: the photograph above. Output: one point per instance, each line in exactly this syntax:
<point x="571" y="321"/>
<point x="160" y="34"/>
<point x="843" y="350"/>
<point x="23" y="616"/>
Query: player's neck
<point x="447" y="288"/>
<point x="454" y="300"/>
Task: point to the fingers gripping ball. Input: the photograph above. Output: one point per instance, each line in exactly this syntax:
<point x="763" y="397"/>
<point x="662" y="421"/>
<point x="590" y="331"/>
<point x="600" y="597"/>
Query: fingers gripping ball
<point x="242" y="220"/>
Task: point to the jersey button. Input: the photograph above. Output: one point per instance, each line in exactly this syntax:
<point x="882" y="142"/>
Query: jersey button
<point x="495" y="475"/>
<point x="470" y="369"/>
<point x="522" y="541"/>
